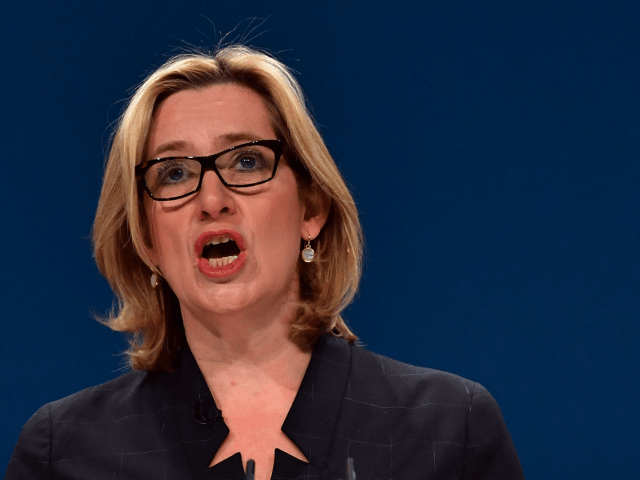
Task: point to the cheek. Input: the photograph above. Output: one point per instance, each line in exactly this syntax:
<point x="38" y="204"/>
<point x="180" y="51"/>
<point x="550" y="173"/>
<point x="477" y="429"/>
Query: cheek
<point x="282" y="224"/>
<point x="162" y="230"/>
<point x="291" y="209"/>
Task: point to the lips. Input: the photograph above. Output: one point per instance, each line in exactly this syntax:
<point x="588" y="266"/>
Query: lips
<point x="220" y="253"/>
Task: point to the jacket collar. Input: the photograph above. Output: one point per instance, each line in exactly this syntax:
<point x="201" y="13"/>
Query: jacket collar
<point x="310" y="423"/>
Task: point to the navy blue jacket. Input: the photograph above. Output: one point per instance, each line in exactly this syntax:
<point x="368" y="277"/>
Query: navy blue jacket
<point x="396" y="421"/>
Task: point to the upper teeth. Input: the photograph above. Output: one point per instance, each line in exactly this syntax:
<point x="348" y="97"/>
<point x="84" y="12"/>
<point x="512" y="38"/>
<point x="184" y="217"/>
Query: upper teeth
<point x="217" y="240"/>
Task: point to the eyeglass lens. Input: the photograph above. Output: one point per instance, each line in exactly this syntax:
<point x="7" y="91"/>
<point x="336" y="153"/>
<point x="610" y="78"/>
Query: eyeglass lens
<point x="179" y="176"/>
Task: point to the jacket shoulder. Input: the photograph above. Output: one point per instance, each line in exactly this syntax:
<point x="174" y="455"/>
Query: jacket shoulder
<point x="84" y="423"/>
<point x="401" y="380"/>
<point x="458" y="419"/>
<point x="131" y="392"/>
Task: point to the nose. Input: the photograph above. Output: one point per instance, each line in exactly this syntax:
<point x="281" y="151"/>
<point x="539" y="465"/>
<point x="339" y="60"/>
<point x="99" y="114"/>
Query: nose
<point x="214" y="199"/>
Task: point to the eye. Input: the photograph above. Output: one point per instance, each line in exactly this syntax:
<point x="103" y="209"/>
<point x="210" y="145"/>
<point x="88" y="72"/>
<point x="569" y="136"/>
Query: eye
<point x="175" y="174"/>
<point x="247" y="162"/>
<point x="174" y="171"/>
<point x="246" y="165"/>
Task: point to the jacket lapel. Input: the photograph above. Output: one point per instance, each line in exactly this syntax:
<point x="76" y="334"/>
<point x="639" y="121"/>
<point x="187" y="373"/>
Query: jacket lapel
<point x="311" y="421"/>
<point x="201" y="425"/>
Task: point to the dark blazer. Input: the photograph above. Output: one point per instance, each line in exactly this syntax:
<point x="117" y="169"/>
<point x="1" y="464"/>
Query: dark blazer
<point x="396" y="421"/>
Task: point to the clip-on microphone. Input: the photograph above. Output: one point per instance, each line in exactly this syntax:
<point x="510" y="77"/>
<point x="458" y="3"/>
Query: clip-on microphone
<point x="251" y="470"/>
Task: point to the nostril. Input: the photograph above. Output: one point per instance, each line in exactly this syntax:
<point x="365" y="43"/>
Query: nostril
<point x="207" y="215"/>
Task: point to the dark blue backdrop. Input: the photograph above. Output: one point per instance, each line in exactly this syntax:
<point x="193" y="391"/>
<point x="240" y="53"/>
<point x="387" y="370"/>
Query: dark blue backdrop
<point x="492" y="151"/>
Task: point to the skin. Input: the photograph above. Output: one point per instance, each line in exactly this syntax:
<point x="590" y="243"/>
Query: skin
<point x="237" y="326"/>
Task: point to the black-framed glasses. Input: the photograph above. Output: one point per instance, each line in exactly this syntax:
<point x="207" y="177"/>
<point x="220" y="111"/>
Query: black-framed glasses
<point x="245" y="165"/>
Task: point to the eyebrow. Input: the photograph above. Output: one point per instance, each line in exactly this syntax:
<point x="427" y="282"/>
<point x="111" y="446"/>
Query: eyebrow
<point x="227" y="138"/>
<point x="175" y="145"/>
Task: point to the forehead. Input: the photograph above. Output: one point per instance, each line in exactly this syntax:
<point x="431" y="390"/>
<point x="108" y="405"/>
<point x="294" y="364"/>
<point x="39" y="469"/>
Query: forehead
<point x="209" y="118"/>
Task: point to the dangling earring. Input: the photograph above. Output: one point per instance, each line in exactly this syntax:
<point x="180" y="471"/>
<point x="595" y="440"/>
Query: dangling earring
<point x="307" y="252"/>
<point x="154" y="281"/>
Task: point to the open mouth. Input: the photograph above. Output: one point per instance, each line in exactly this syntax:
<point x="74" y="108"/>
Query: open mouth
<point x="220" y="251"/>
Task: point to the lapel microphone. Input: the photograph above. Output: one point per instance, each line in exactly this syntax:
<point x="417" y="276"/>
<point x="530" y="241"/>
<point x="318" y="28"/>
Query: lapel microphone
<point x="202" y="413"/>
<point x="251" y="470"/>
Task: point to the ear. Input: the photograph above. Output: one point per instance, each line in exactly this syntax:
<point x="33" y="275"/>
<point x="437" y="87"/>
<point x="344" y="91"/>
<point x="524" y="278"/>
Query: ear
<point x="317" y="205"/>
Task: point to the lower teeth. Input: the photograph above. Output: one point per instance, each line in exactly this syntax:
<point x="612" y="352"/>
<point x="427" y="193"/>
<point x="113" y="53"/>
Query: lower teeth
<point x="221" y="262"/>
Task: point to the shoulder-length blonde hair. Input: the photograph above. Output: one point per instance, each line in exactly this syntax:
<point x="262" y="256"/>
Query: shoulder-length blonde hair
<point x="121" y="238"/>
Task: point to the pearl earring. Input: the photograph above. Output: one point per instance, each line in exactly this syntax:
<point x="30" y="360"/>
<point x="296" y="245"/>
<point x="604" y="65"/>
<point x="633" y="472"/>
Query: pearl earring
<point x="154" y="281"/>
<point x="307" y="252"/>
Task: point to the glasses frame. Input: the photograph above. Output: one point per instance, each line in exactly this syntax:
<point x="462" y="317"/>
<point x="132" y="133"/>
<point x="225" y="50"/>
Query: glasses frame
<point x="207" y="163"/>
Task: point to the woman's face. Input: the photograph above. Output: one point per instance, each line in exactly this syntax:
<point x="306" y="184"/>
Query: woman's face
<point x="266" y="222"/>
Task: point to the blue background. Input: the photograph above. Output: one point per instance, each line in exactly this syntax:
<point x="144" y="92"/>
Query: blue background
<point x="492" y="151"/>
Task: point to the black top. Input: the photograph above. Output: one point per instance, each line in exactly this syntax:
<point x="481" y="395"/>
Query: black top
<point x="395" y="420"/>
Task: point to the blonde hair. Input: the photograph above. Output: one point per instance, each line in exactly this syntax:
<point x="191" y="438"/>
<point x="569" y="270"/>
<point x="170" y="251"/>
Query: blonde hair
<point x="121" y="237"/>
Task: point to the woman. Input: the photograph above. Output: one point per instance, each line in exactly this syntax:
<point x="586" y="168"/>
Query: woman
<point x="233" y="245"/>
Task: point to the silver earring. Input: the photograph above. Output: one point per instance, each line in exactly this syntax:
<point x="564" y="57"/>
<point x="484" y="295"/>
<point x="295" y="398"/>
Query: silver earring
<point x="307" y="252"/>
<point x="154" y="281"/>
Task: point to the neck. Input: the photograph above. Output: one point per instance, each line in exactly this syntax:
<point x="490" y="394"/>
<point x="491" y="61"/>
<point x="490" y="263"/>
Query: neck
<point x="235" y="339"/>
<point x="254" y="337"/>
<point x="241" y="352"/>
<point x="250" y="345"/>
